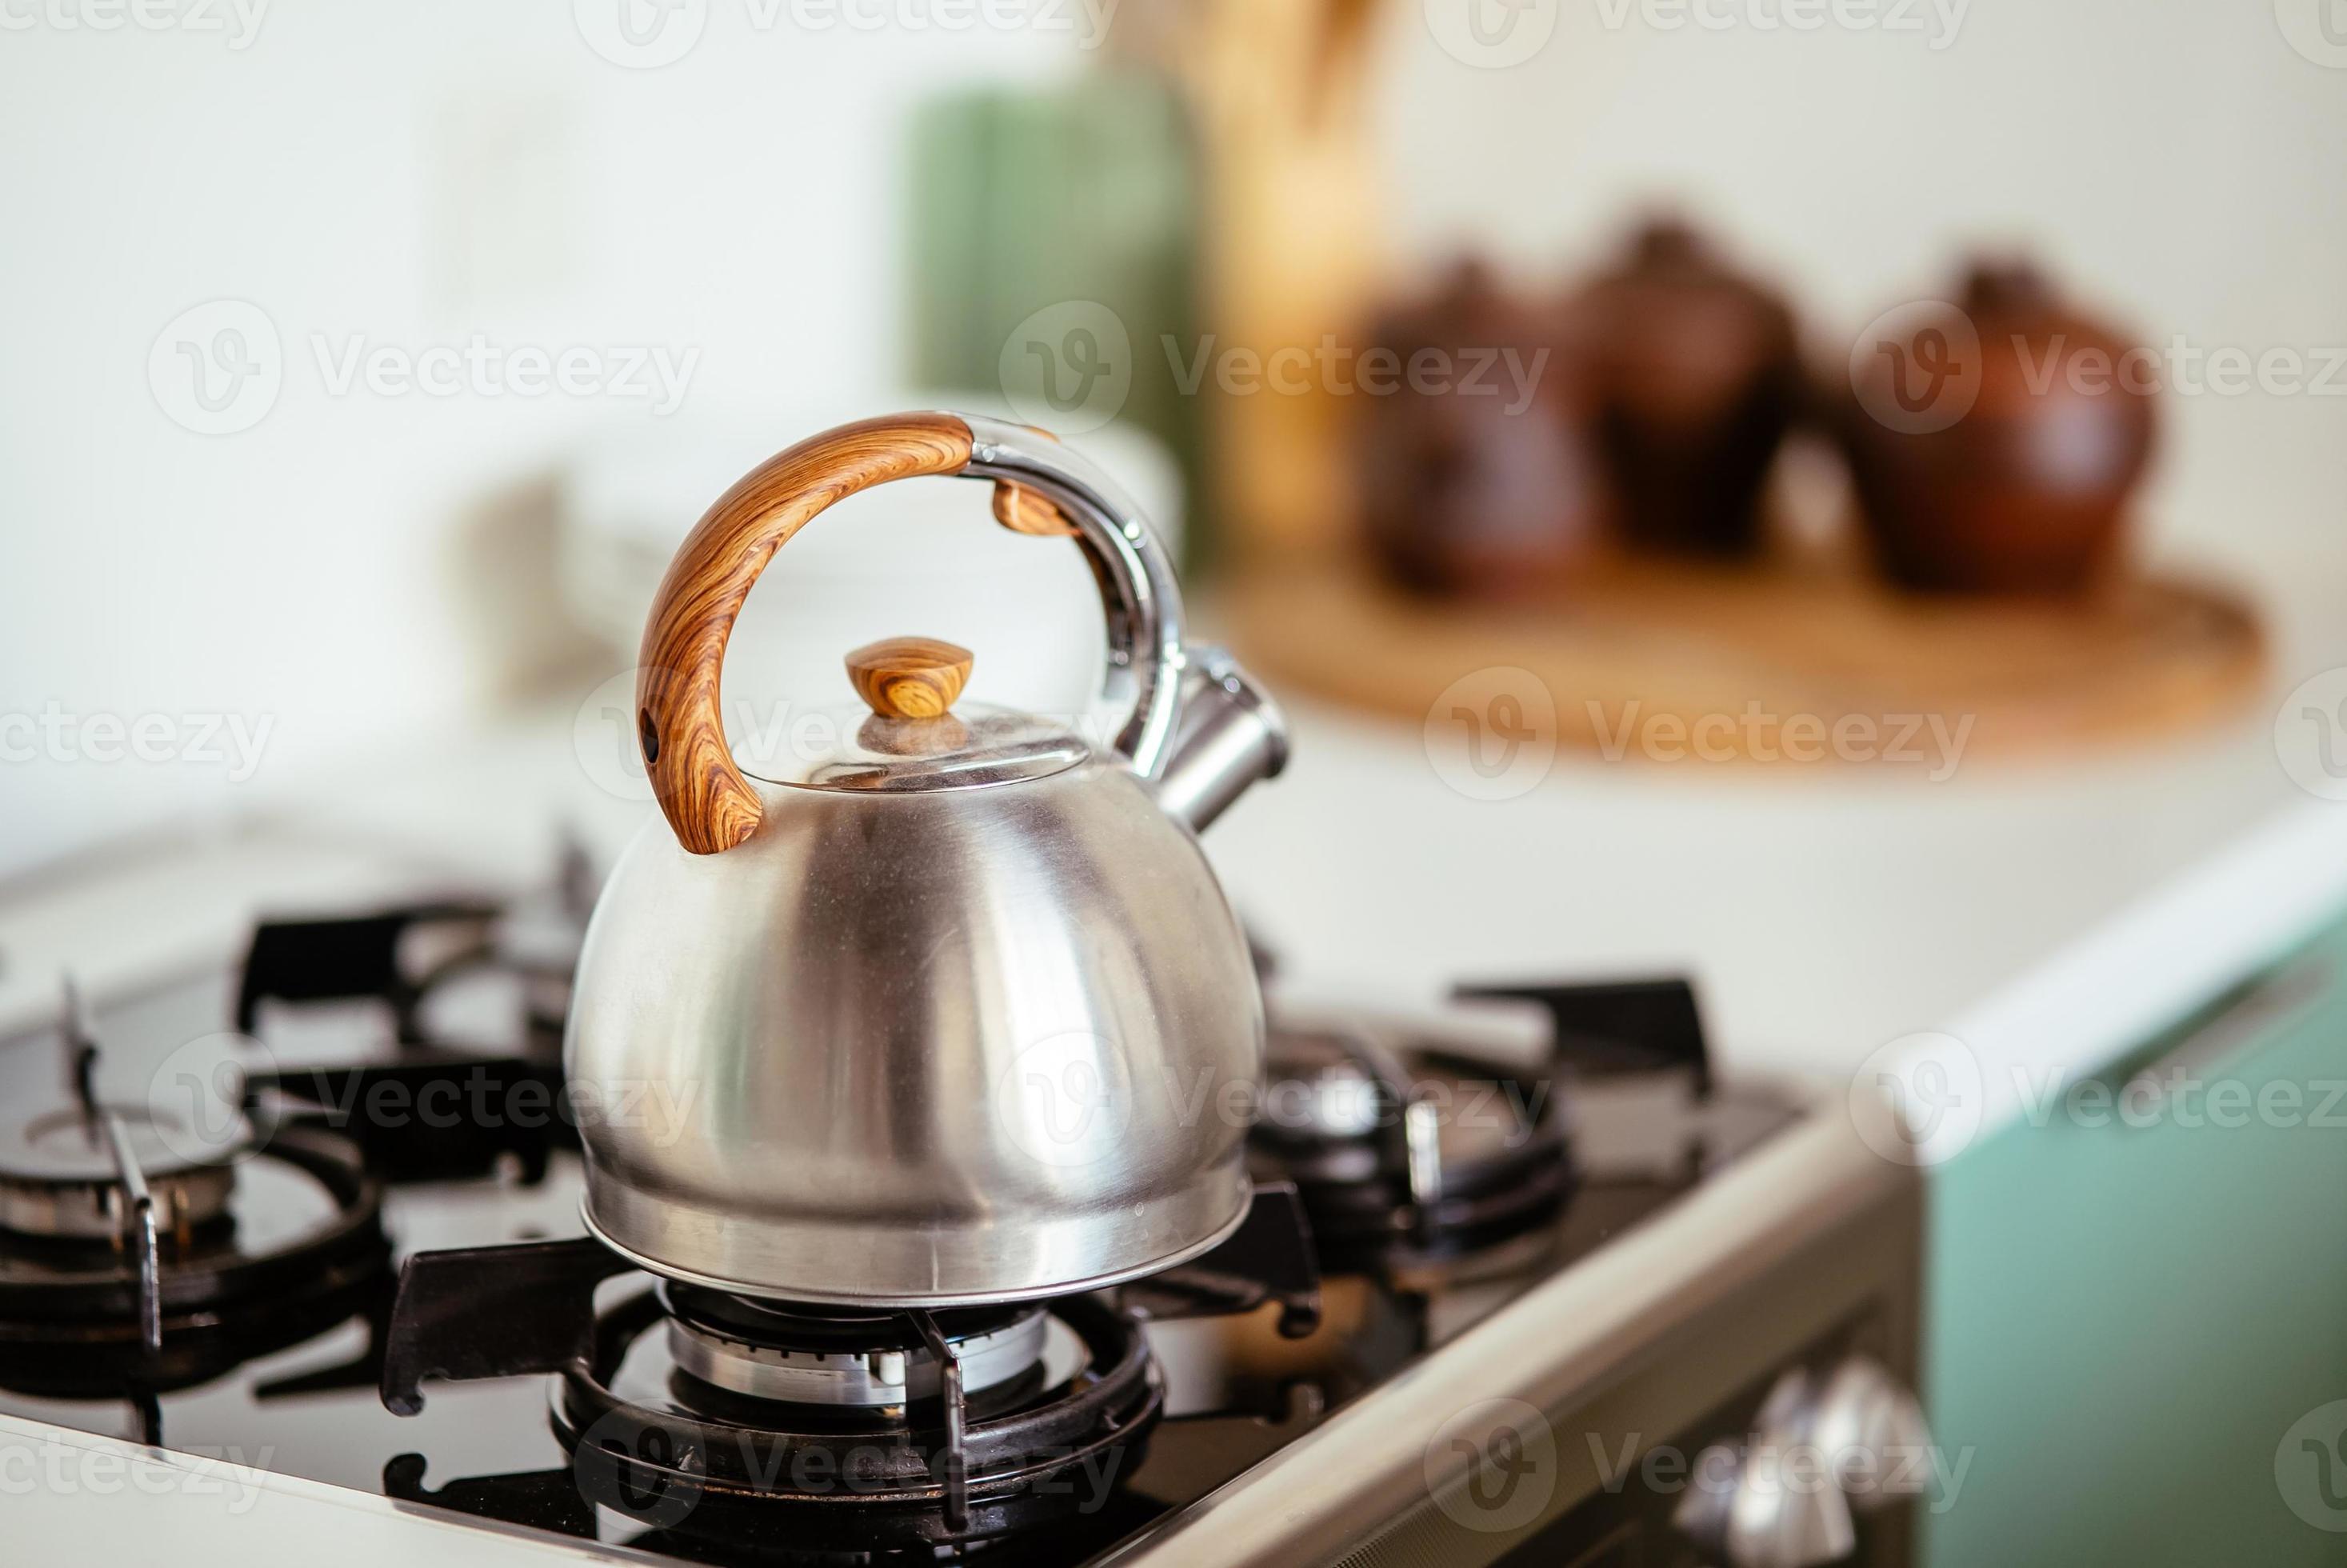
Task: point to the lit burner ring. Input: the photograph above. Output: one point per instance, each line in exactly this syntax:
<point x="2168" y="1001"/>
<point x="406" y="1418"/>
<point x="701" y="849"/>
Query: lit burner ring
<point x="852" y="1359"/>
<point x="58" y="1178"/>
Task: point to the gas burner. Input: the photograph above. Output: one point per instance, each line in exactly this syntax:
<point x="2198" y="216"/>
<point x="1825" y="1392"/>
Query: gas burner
<point x="1412" y="1154"/>
<point x="71" y="1312"/>
<point x="654" y="1443"/>
<point x="772" y="1425"/>
<point x="61" y="1176"/>
<point x="145" y="1251"/>
<point x="1406" y="1157"/>
<point x="825" y="1356"/>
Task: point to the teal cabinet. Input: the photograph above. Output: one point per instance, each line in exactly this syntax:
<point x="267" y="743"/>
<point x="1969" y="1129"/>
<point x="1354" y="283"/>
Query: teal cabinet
<point x="2125" y="1321"/>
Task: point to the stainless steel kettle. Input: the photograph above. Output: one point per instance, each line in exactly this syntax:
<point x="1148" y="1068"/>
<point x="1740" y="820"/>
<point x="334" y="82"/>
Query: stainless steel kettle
<point x="953" y="1011"/>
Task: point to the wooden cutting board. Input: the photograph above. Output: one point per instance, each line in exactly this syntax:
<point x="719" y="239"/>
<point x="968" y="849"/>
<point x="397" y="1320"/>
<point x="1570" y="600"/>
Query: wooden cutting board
<point x="1785" y="652"/>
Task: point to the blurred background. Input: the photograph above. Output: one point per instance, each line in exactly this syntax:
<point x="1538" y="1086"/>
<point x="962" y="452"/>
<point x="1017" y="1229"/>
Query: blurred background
<point x="364" y="365"/>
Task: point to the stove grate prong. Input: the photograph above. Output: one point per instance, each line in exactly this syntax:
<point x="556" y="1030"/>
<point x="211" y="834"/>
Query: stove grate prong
<point x="955" y="1467"/>
<point x="137" y="1205"/>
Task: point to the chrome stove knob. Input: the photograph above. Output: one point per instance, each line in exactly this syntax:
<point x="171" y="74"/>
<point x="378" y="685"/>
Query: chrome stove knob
<point x="1747" y="1511"/>
<point x="1823" y="1449"/>
<point x="1873" y="1431"/>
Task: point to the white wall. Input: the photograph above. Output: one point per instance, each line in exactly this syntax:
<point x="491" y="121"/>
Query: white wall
<point x="412" y="172"/>
<point x="415" y="173"/>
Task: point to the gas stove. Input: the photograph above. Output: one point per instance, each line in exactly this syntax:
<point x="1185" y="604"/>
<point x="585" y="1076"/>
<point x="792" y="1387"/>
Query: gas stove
<point x="326" y="1209"/>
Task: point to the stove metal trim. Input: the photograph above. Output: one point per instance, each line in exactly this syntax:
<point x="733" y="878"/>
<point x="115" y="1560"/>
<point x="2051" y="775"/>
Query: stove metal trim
<point x="1367" y="1476"/>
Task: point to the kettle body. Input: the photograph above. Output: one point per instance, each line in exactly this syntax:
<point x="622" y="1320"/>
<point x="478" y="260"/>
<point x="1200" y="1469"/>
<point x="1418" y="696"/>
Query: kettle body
<point x="963" y="1016"/>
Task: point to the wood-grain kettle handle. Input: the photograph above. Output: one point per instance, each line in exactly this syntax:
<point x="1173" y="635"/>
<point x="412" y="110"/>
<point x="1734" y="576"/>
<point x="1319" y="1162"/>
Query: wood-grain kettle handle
<point x="680" y="714"/>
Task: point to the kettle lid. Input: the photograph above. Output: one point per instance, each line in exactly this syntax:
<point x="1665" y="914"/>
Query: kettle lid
<point x="909" y="737"/>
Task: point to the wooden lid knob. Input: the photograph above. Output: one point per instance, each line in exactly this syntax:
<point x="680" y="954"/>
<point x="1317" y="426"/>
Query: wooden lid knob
<point x="909" y="677"/>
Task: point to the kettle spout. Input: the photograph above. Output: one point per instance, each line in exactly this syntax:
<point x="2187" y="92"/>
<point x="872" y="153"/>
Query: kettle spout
<point x="1231" y="735"/>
